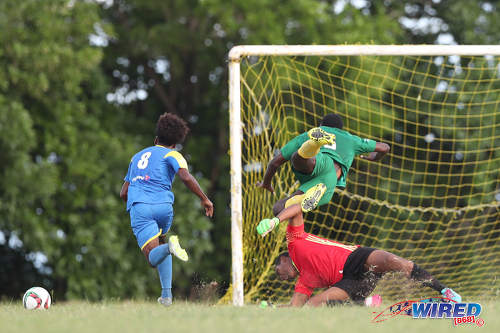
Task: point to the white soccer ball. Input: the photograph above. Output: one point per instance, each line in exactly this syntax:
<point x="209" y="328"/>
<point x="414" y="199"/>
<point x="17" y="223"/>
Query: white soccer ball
<point x="36" y="298"/>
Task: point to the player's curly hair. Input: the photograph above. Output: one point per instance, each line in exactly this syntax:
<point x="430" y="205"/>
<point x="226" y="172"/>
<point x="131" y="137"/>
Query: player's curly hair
<point x="332" y="120"/>
<point x="171" y="129"/>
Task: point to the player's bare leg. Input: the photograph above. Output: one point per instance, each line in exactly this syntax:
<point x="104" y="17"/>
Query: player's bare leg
<point x="381" y="261"/>
<point x="329" y="295"/>
<point x="155" y="242"/>
<point x="293" y="214"/>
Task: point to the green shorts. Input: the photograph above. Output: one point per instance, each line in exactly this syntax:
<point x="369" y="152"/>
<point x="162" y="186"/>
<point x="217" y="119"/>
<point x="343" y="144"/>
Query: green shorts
<point x="324" y="172"/>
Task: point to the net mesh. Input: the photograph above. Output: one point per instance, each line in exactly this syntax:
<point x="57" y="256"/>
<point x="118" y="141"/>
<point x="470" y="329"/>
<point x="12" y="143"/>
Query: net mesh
<point x="433" y="199"/>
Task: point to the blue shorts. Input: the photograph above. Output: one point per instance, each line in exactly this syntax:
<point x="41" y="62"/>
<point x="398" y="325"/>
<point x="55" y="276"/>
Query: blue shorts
<point x="149" y="221"/>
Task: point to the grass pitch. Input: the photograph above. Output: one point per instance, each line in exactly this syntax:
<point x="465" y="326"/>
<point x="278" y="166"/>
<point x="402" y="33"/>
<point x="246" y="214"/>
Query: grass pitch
<point x="138" y="317"/>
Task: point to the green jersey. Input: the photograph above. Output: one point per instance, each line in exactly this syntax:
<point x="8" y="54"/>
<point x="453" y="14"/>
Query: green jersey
<point x="343" y="151"/>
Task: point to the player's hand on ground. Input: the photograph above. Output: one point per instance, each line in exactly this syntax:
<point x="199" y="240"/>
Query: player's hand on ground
<point x="209" y="207"/>
<point x="267" y="225"/>
<point x="268" y="187"/>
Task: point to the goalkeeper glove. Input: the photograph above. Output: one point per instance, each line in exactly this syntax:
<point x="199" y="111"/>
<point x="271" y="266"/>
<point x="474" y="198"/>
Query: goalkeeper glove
<point x="267" y="225"/>
<point x="266" y="304"/>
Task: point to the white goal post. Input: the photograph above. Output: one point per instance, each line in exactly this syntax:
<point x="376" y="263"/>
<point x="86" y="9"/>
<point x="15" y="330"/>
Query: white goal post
<point x="235" y="56"/>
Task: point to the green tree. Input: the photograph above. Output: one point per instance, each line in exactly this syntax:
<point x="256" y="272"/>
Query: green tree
<point x="82" y="84"/>
<point x="65" y="151"/>
<point x="170" y="56"/>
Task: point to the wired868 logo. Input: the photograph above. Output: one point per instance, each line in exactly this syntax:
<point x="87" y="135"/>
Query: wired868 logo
<point x="434" y="308"/>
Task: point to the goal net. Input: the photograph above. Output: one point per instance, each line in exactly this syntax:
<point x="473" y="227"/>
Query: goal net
<point x="434" y="199"/>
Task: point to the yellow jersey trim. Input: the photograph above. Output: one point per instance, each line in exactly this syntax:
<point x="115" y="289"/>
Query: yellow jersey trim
<point x="327" y="242"/>
<point x="149" y="240"/>
<point x="178" y="157"/>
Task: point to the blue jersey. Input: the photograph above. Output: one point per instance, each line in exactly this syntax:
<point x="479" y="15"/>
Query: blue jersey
<point x="151" y="173"/>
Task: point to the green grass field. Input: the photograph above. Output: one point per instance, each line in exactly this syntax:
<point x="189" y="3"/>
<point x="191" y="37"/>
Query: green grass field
<point x="188" y="317"/>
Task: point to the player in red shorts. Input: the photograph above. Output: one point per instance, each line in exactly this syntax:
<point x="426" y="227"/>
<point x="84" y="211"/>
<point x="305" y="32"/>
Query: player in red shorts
<point x="349" y="272"/>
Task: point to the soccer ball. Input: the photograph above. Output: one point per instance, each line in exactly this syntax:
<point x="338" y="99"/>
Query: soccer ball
<point x="36" y="298"/>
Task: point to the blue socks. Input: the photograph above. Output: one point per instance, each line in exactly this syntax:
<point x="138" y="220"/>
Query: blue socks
<point x="165" y="272"/>
<point x="157" y="254"/>
<point x="160" y="258"/>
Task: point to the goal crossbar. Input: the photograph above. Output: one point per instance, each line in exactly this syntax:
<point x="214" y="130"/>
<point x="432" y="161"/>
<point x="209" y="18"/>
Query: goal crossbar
<point x="359" y="50"/>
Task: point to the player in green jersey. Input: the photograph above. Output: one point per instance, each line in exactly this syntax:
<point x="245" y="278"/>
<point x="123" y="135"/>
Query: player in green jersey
<point x="320" y="159"/>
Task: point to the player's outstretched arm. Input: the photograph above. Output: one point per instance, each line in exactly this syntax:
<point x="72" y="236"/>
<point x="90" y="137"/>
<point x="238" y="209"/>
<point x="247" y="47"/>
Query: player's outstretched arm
<point x="193" y="185"/>
<point x="272" y="167"/>
<point x="381" y="149"/>
<point x="292" y="213"/>
<point x="124" y="191"/>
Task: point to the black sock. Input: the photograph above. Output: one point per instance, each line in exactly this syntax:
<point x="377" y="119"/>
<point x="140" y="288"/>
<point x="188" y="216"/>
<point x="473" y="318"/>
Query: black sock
<point x="421" y="275"/>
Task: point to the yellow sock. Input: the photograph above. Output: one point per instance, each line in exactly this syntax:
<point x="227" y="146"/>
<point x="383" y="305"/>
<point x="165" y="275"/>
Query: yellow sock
<point x="309" y="149"/>
<point x="296" y="199"/>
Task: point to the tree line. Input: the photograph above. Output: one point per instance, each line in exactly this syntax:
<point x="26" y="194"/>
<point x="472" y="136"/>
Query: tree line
<point x="82" y="84"/>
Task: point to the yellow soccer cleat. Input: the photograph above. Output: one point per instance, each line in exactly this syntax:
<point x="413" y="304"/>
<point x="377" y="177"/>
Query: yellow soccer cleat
<point x="318" y="135"/>
<point x="312" y="197"/>
<point x="176" y="249"/>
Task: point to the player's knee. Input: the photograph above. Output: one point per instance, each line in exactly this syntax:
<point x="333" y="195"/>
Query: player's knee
<point x="152" y="265"/>
<point x="149" y="261"/>
<point x="408" y="269"/>
<point x="295" y="159"/>
<point x="146" y="250"/>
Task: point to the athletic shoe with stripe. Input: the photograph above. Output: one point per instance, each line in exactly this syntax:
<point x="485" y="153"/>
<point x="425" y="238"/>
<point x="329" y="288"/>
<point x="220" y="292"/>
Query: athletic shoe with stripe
<point x="450" y="294"/>
<point x="374" y="300"/>
<point x="176" y="249"/>
<point x="312" y="197"/>
<point x="165" y="301"/>
<point x="321" y="136"/>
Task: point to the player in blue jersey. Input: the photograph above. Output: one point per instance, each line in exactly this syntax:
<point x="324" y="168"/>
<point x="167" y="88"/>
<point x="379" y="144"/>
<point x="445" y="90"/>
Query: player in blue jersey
<point x="147" y="190"/>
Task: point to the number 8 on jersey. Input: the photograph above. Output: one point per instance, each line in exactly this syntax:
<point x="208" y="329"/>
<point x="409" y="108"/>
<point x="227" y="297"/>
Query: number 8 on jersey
<point x="143" y="162"/>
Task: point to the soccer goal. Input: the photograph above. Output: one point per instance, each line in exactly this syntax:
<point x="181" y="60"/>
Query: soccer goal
<point x="434" y="199"/>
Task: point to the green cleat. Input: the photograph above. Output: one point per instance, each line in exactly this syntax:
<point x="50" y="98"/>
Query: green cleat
<point x="312" y="197"/>
<point x="176" y="249"/>
<point x="321" y="136"/>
